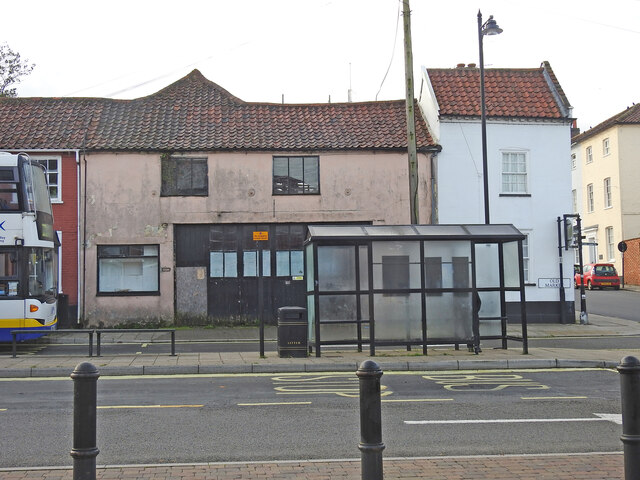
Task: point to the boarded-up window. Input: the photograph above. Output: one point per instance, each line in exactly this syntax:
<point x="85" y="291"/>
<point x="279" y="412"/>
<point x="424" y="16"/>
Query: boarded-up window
<point x="184" y="176"/>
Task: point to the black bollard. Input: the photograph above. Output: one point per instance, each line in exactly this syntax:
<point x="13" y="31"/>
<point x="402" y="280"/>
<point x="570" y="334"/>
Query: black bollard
<point x="84" y="451"/>
<point x="371" y="445"/>
<point x="629" y="369"/>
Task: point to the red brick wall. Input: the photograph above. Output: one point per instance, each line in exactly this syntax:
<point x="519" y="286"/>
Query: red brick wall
<point x="65" y="219"/>
<point x="632" y="262"/>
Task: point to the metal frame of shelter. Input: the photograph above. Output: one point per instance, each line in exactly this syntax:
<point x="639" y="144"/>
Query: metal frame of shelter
<point x="410" y="285"/>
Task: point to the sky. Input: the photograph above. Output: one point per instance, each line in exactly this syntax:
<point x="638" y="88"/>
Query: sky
<point x="315" y="51"/>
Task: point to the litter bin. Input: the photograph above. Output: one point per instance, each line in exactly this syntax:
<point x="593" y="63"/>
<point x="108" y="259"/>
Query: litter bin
<point x="292" y="332"/>
<point x="63" y="311"/>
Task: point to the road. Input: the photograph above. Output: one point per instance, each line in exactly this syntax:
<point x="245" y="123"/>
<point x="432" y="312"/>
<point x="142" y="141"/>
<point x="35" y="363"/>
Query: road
<point x="304" y="416"/>
<point x="612" y="303"/>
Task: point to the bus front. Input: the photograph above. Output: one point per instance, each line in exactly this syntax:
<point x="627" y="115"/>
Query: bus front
<point x="28" y="249"/>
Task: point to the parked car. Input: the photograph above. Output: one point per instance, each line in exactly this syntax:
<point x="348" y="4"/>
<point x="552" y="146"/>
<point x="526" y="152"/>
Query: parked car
<point x="598" y="275"/>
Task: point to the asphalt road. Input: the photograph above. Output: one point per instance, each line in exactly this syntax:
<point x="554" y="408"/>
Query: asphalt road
<point x="612" y="303"/>
<point x="287" y="416"/>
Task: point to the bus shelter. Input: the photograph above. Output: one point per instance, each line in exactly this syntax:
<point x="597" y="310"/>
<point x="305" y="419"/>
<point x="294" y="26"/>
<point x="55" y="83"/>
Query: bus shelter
<point x="407" y="285"/>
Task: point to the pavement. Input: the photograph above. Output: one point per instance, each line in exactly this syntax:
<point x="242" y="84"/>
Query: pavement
<point x="445" y="357"/>
<point x="346" y="358"/>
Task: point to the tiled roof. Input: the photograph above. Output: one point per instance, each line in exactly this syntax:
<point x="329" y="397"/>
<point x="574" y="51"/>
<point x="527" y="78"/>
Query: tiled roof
<point x="195" y="114"/>
<point x="513" y="93"/>
<point x="630" y="116"/>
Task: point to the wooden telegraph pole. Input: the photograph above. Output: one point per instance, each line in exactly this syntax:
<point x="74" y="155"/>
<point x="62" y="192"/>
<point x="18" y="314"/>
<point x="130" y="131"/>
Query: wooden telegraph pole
<point x="411" y="124"/>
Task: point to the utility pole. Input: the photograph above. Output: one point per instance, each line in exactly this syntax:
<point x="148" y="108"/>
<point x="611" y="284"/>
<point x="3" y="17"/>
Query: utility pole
<point x="411" y="122"/>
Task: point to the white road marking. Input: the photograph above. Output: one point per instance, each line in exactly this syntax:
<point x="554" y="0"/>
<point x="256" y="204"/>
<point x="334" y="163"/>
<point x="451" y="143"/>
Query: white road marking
<point x="601" y="417"/>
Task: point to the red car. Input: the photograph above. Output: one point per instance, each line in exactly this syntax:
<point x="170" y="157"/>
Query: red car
<point x="598" y="275"/>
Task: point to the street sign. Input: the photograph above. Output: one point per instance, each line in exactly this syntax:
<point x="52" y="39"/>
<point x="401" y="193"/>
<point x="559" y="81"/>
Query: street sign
<point x="260" y="236"/>
<point x="553" y="283"/>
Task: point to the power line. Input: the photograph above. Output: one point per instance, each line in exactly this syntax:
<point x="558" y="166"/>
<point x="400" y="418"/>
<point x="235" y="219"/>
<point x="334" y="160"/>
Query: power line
<point x="395" y="40"/>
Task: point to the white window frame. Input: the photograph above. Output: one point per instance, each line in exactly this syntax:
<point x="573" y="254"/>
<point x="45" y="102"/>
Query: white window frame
<point x="611" y="251"/>
<point x="589" y="154"/>
<point x="44" y="161"/>
<point x="606" y="147"/>
<point x="574" y="199"/>
<point x="573" y="161"/>
<point x="506" y="156"/>
<point x="590" y="201"/>
<point x="607" y="192"/>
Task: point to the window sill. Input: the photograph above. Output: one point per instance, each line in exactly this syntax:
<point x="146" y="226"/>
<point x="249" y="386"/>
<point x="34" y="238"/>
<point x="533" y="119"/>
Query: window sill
<point x="127" y="294"/>
<point x="515" y="194"/>
<point x="295" y="194"/>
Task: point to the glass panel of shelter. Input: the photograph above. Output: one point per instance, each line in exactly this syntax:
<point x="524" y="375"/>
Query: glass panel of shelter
<point x="410" y="307"/>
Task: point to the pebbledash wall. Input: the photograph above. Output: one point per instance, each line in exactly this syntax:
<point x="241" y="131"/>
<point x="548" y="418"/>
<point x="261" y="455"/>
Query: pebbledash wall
<point x="128" y="209"/>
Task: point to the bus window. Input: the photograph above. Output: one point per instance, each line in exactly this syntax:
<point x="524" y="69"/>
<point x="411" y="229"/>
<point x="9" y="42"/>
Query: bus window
<point x="42" y="272"/>
<point x="8" y="273"/>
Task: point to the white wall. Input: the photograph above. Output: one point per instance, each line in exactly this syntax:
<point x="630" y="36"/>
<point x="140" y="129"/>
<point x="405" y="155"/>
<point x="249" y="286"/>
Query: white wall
<point x="461" y="197"/>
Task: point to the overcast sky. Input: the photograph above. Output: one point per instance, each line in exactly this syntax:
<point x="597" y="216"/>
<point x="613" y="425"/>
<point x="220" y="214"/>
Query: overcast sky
<point x="313" y="50"/>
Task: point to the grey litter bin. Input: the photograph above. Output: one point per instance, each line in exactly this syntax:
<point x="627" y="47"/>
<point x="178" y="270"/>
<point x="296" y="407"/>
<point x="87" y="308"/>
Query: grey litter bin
<point x="292" y="332"/>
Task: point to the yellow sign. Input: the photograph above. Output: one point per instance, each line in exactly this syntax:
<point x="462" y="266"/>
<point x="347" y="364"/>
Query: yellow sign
<point x="258" y="236"/>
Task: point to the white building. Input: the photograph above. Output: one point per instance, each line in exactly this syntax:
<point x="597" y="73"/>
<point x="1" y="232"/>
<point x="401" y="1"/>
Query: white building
<point x="529" y="177"/>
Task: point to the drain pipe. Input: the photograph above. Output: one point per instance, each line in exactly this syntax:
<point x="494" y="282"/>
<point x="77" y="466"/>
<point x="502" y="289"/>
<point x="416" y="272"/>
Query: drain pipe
<point x="84" y="239"/>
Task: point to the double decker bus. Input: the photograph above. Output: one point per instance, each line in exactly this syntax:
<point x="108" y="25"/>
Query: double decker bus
<point x="28" y="249"/>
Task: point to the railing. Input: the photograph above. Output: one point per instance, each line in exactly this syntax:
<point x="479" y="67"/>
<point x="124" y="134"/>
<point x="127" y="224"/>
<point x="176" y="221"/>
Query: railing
<point x="15" y="333"/>
<point x="100" y="331"/>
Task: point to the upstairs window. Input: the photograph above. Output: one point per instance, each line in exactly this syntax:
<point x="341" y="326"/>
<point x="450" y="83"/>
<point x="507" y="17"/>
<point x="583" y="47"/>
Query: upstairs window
<point x="53" y="174"/>
<point x="296" y="176"/>
<point x="184" y="176"/>
<point x="573" y="161"/>
<point x="9" y="200"/>
<point x="590" y="198"/>
<point x="514" y="173"/>
<point x="589" y="154"/>
<point x="607" y="192"/>
<point x="605" y="147"/>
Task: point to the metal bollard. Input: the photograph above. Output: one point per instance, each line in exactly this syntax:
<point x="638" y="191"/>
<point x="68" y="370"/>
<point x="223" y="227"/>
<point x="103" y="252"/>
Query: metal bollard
<point x="371" y="445"/>
<point x="629" y="369"/>
<point x="84" y="451"/>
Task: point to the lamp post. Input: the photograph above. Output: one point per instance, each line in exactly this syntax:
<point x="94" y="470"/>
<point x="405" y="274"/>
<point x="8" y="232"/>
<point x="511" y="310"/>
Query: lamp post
<point x="490" y="27"/>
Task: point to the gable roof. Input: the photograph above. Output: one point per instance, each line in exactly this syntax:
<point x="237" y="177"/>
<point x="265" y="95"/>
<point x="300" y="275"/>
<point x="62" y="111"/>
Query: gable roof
<point x="195" y="114"/>
<point x="509" y="92"/>
<point x="630" y="116"/>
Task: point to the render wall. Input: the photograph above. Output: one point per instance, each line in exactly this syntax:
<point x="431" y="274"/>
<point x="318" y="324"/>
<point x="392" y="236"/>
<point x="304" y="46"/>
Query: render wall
<point x="596" y="222"/>
<point x="629" y="160"/>
<point x="124" y="206"/>
<point x="461" y="191"/>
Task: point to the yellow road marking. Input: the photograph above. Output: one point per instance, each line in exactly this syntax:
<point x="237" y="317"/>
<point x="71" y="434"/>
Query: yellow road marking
<point x="149" y="406"/>
<point x="272" y="403"/>
<point x="552" y="398"/>
<point x="3" y="409"/>
<point x="400" y="400"/>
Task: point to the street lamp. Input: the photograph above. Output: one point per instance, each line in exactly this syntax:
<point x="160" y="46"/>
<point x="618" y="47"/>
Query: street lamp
<point x="490" y="27"/>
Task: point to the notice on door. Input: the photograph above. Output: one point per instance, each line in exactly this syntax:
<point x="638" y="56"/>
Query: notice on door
<point x="260" y="236"/>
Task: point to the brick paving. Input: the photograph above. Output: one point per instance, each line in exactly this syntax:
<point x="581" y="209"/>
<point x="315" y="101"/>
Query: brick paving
<point x="588" y="466"/>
